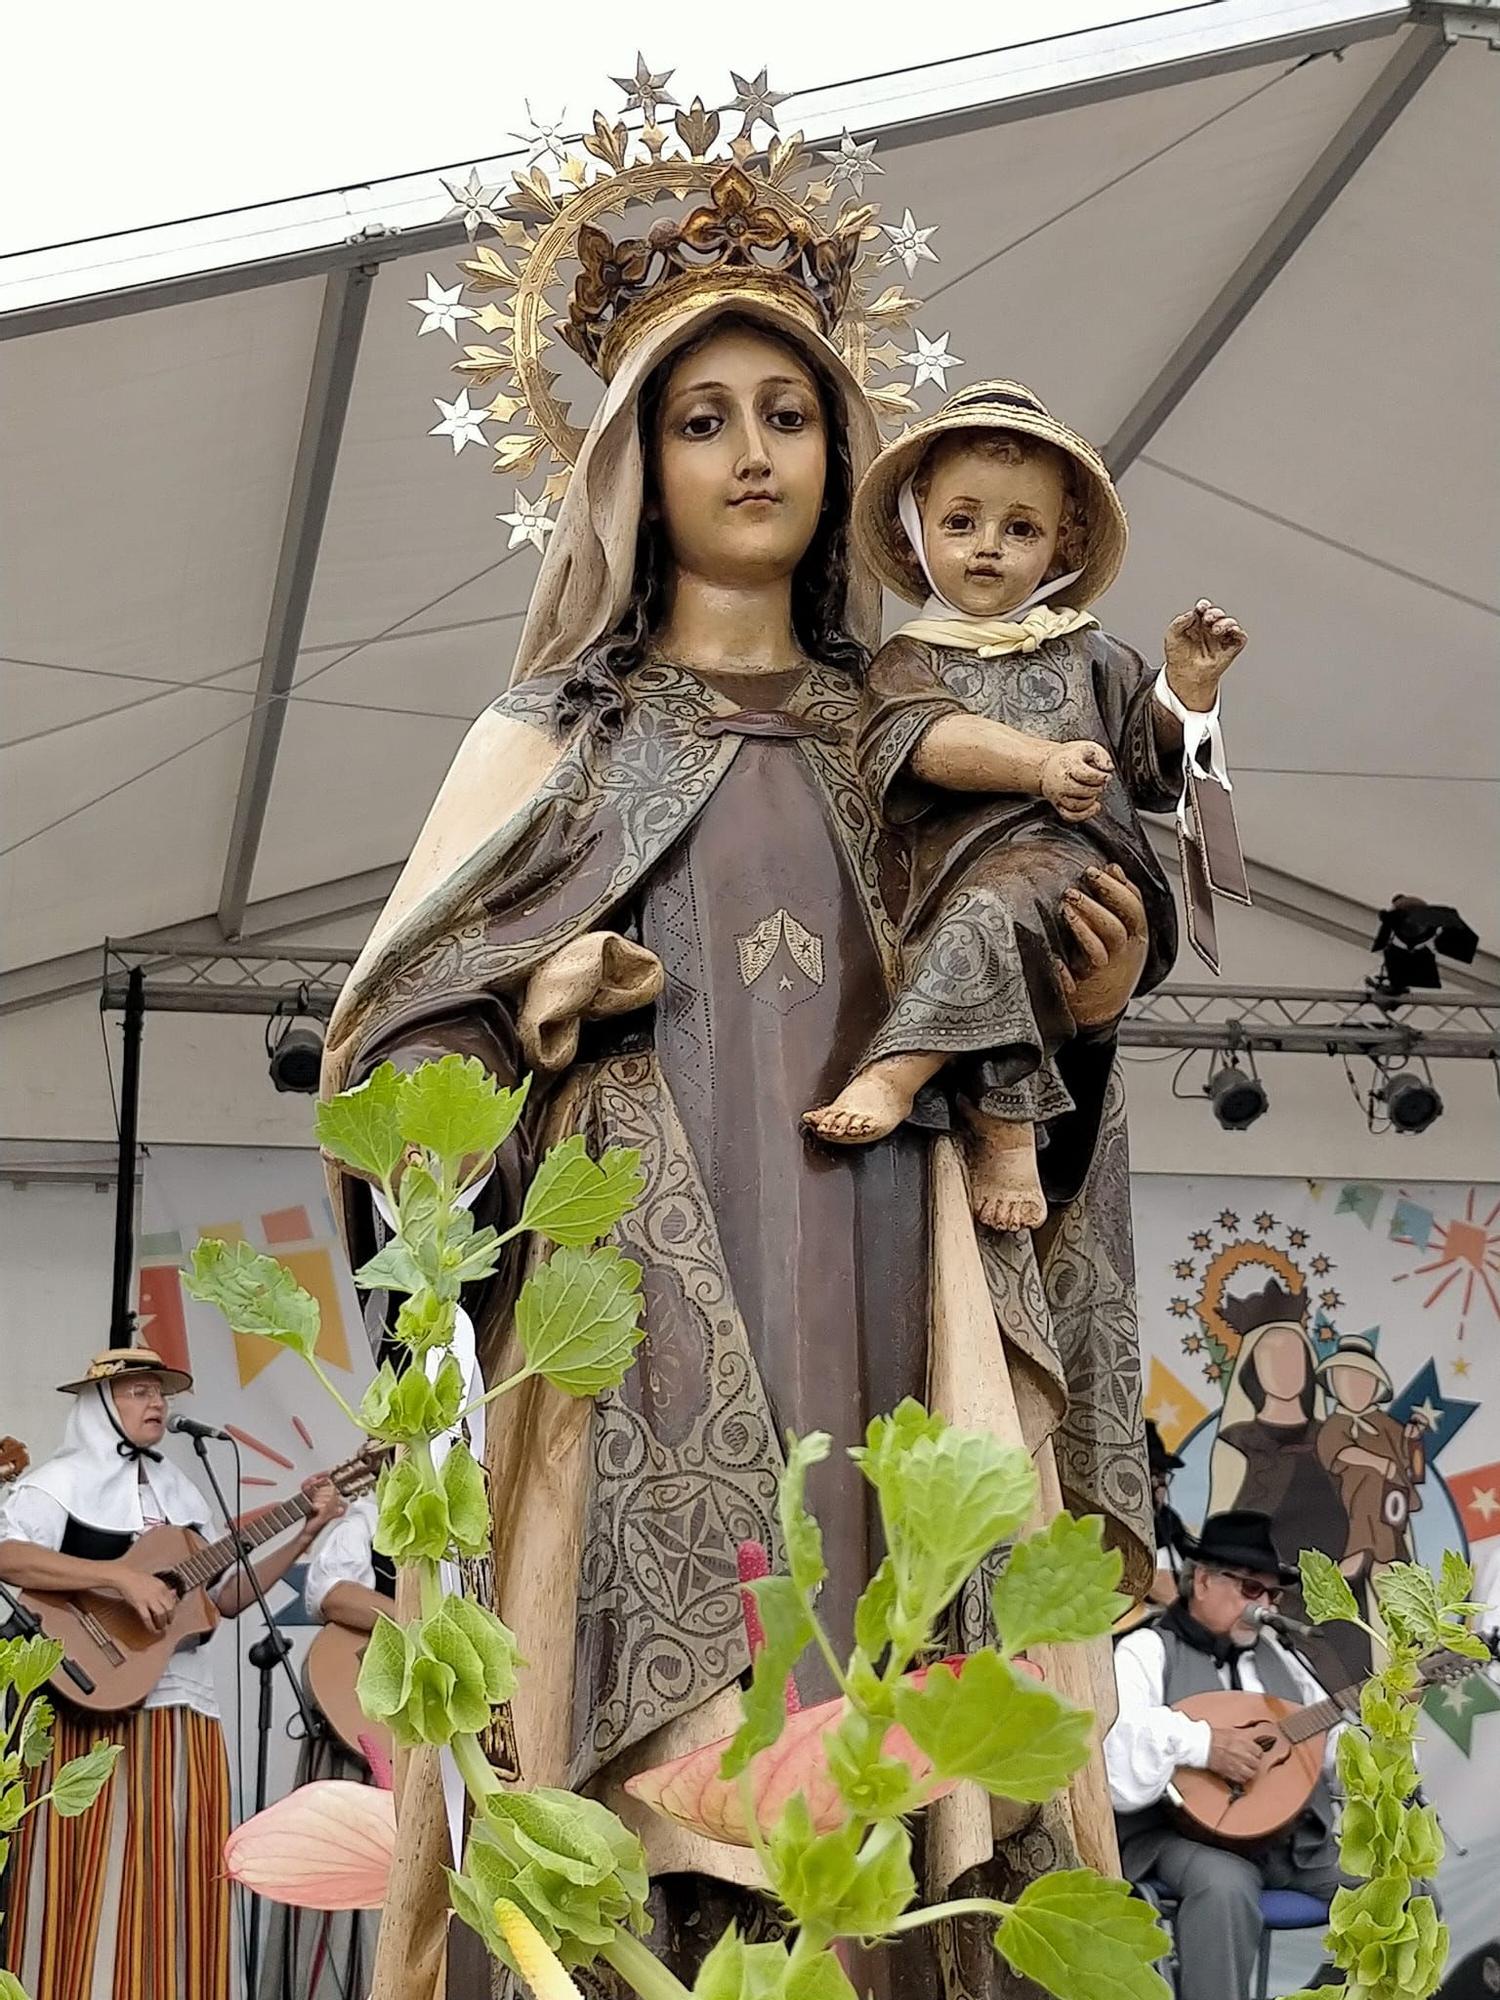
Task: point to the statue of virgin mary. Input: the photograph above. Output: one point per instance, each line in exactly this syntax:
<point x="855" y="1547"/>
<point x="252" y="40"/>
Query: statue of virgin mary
<point x="652" y="879"/>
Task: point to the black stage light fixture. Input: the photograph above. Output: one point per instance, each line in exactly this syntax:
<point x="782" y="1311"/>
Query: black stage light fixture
<point x="1238" y="1100"/>
<point x="1411" y="1102"/>
<point x="1411" y="935"/>
<point x="294" y="1048"/>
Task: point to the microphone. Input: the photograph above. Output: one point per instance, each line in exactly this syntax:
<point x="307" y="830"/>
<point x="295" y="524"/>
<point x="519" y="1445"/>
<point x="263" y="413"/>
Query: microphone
<point x="189" y="1427"/>
<point x="1263" y="1619"/>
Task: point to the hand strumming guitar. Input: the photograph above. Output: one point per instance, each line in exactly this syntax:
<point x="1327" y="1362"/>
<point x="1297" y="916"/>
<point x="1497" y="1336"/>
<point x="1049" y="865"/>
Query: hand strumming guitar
<point x="151" y="1598"/>
<point x="1234" y="1756"/>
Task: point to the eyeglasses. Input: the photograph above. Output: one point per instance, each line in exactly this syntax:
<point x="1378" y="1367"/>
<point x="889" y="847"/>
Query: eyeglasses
<point x="140" y="1392"/>
<point x="1251" y="1589"/>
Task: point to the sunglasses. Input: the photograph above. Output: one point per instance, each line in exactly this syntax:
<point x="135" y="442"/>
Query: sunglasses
<point x="1251" y="1589"/>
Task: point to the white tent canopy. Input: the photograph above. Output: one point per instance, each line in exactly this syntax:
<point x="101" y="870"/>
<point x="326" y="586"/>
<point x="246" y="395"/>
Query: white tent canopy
<point x="250" y="606"/>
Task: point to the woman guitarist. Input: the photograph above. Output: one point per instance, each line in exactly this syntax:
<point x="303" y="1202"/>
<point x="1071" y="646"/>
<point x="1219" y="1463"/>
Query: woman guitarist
<point x="129" y="1901"/>
<point x="1205" y="1641"/>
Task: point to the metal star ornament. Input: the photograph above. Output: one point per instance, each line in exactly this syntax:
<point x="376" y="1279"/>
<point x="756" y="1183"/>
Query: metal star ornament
<point x="462" y="424"/>
<point x="543" y="138"/>
<point x="474" y="202"/>
<point x="529" y="523"/>
<point x="909" y="243"/>
<point x="441" y="310"/>
<point x="646" y="89"/>
<point x="931" y="360"/>
<point x="851" y="162"/>
<point x="755" y="102"/>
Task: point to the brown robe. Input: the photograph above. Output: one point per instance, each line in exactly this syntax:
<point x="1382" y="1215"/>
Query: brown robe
<point x="1371" y="1499"/>
<point x="983" y="925"/>
<point x="787" y="1286"/>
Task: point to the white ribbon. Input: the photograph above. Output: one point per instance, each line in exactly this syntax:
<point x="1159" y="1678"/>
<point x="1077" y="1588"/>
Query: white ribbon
<point x="1200" y="727"/>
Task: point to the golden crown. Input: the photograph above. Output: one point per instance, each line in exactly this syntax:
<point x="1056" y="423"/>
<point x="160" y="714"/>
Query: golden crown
<point x="776" y="221"/>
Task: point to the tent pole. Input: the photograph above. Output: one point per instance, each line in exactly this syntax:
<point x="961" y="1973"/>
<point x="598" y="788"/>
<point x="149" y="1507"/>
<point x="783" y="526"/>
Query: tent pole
<point x="121" y="1317"/>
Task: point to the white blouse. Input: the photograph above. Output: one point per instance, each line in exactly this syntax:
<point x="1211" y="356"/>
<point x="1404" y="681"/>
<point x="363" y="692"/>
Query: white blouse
<point x="343" y="1553"/>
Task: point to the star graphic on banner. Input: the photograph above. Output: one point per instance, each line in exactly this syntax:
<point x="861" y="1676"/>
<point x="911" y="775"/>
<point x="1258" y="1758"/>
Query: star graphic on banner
<point x="1265" y="1221"/>
<point x="1460" y="1366"/>
<point x="474" y="202"/>
<point x="1297" y="1238"/>
<point x="1443" y="1416"/>
<point x="1321" y="1265"/>
<point x="441" y="309"/>
<point x="1201" y="1240"/>
<point x="756" y="103"/>
<point x="932" y="360"/>
<point x="1227" y="1220"/>
<point x="543" y="138"/>
<point x="647" y="88"/>
<point x="1485" y="1502"/>
<point x="529" y="523"/>
<point x="1180" y="1309"/>
<point x="1430" y="1413"/>
<point x="1456" y="1708"/>
<point x="909" y="243"/>
<point x="1183" y="1268"/>
<point x="463" y="425"/>
<point x="851" y="162"/>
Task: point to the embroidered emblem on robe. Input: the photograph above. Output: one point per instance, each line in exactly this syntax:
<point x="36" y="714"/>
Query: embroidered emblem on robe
<point x="781" y="961"/>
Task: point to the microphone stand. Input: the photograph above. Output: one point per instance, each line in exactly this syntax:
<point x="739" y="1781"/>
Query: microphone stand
<point x="30" y="1627"/>
<point x="275" y="1646"/>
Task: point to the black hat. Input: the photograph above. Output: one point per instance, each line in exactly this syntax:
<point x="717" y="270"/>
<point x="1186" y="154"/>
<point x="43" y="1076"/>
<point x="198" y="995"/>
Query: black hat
<point x="1241" y="1540"/>
<point x="1157" y="1456"/>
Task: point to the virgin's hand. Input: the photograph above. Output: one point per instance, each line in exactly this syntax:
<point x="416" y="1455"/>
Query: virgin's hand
<point x="1108" y="924"/>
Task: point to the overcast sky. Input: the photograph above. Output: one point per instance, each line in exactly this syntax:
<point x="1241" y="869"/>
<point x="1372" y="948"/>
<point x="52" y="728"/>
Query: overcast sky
<point x="118" y="116"/>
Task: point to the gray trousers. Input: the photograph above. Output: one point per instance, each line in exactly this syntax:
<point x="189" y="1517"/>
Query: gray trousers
<point x="1218" y="1914"/>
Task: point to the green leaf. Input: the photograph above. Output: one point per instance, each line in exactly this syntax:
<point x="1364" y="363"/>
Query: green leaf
<point x="789" y="1631"/>
<point x="413" y="1524"/>
<point x="385" y="1672"/>
<point x="468" y="1502"/>
<point x="1325" y="1589"/>
<point x="871" y="1785"/>
<point x="578" y="1319"/>
<point x="888" y="1439"/>
<point x="493" y="1643"/>
<point x="803" y="1538"/>
<point x="1080" y="1937"/>
<point x="872" y="1614"/>
<point x="577" y="1873"/>
<point x="844" y="1883"/>
<point x="426" y="1321"/>
<point x="35" y="1742"/>
<point x="1456" y="1586"/>
<point x="946" y="1500"/>
<point x="575" y="1200"/>
<point x="447" y="1695"/>
<point x="1001" y="1728"/>
<point x="11" y="1987"/>
<point x="478" y="1258"/>
<point x="818" y="1978"/>
<point x="362" y="1127"/>
<point x="31" y="1664"/>
<point x="399" y="1408"/>
<point x="1058" y="1587"/>
<point x="78" y="1784"/>
<point x="393" y="1269"/>
<point x="12" y="1807"/>
<point x="254" y="1293"/>
<point x="456" y="1111"/>
<point x="735" y="1970"/>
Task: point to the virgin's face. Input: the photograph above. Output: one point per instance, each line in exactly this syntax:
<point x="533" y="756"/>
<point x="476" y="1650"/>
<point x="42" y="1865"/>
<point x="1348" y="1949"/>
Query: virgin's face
<point x="1281" y="1362"/>
<point x="741" y="455"/>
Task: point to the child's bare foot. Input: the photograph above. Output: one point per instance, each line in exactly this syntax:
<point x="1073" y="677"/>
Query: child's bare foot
<point x="1005" y="1188"/>
<point x="874" y="1102"/>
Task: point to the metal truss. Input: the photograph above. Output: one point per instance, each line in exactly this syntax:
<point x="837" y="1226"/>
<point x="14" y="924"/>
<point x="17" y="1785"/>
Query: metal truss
<point x="228" y="979"/>
<point x="1310" y="1020"/>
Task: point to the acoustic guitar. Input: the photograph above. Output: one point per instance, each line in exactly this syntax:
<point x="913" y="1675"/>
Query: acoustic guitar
<point x="332" y="1675"/>
<point x="122" y="1656"/>
<point x="1292" y="1740"/>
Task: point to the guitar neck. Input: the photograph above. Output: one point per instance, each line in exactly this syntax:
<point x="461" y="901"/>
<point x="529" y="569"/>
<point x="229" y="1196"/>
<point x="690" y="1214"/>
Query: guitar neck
<point x="208" y="1564"/>
<point x="1317" y="1716"/>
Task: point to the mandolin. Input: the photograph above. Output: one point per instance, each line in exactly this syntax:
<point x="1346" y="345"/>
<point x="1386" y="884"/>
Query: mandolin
<point x="121" y="1655"/>
<point x="1292" y="1739"/>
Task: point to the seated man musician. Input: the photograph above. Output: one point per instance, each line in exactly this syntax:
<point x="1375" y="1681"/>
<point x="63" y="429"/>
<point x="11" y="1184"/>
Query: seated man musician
<point x="1205" y="1641"/>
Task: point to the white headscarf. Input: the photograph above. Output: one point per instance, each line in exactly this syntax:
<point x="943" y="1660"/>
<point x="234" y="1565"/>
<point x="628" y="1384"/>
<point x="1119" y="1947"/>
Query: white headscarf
<point x="97" y="1477"/>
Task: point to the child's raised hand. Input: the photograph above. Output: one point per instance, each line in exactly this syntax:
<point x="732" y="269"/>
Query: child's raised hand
<point x="1074" y="776"/>
<point x="1200" y="647"/>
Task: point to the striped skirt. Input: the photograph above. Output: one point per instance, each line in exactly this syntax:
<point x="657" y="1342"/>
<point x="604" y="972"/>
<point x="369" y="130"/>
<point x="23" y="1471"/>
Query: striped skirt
<point x="130" y="1900"/>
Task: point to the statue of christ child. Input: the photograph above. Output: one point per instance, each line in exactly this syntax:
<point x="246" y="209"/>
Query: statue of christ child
<point x="1015" y="744"/>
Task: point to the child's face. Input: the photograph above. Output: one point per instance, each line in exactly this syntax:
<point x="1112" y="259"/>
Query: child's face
<point x="990" y="527"/>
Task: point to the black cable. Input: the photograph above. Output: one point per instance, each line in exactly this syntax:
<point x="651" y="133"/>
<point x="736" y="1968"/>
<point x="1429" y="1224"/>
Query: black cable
<point x="109" y="1066"/>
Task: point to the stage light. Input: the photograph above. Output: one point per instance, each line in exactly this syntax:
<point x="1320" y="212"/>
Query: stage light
<point x="294" y="1048"/>
<point x="1238" y="1100"/>
<point x="1411" y="1102"/>
<point x="1411" y="935"/>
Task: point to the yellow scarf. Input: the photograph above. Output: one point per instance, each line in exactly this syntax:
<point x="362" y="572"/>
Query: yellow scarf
<point x="994" y="638"/>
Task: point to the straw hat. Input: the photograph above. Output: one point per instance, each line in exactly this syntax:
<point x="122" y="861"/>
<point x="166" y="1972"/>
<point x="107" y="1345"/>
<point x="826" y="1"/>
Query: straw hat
<point x="120" y="1363"/>
<point x="1357" y="1351"/>
<point x="995" y="406"/>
